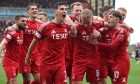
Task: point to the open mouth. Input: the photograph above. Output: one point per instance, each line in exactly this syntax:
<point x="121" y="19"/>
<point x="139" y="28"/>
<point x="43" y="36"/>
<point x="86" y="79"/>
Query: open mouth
<point x="63" y="15"/>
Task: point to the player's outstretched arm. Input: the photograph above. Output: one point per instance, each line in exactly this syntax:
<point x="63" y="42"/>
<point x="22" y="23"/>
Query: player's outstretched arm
<point x="73" y="30"/>
<point x="30" y="49"/>
<point x="2" y="44"/>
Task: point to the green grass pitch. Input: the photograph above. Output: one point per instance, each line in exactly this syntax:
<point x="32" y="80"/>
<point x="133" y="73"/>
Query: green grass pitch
<point x="134" y="75"/>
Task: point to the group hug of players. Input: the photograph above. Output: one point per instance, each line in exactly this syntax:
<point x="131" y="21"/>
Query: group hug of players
<point x="68" y="46"/>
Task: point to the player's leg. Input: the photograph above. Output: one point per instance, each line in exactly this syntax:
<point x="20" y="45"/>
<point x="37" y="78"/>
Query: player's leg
<point x="110" y="71"/>
<point x="26" y="78"/>
<point x="11" y="74"/>
<point x="103" y="74"/>
<point x="36" y="78"/>
<point x="121" y="71"/>
<point x="61" y="76"/>
<point x="47" y="74"/>
<point x="78" y="71"/>
<point x="93" y="73"/>
<point x="13" y="81"/>
<point x="69" y="70"/>
<point x="25" y="71"/>
<point x="35" y="71"/>
<point x="137" y="58"/>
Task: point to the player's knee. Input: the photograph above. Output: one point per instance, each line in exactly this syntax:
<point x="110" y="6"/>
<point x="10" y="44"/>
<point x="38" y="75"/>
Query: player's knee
<point x="36" y="78"/>
<point x="102" y="81"/>
<point x="26" y="77"/>
<point x="13" y="81"/>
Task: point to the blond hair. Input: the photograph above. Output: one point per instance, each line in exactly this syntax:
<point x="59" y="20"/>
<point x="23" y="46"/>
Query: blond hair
<point x="122" y="8"/>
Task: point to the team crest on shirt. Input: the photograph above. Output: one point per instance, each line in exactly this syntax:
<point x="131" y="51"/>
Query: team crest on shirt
<point x="83" y="33"/>
<point x="20" y="40"/>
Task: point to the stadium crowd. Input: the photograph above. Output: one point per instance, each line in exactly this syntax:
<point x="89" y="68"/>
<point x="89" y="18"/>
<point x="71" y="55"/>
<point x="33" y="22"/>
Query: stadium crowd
<point x="3" y="25"/>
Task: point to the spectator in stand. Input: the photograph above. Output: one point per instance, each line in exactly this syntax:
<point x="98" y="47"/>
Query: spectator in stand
<point x="137" y="53"/>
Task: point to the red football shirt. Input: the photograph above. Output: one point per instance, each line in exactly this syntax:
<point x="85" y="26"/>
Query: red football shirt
<point x="98" y="22"/>
<point x="54" y="37"/>
<point x="107" y="36"/>
<point x="13" y="48"/>
<point x="118" y="45"/>
<point x="29" y="34"/>
<point x="82" y="49"/>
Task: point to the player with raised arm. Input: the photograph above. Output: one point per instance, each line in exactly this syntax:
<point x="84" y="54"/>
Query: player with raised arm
<point x="118" y="45"/>
<point x="13" y="41"/>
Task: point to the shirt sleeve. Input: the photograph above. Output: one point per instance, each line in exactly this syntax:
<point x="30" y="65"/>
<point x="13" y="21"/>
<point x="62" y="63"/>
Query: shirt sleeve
<point x="120" y="37"/>
<point x="8" y="37"/>
<point x="40" y="33"/>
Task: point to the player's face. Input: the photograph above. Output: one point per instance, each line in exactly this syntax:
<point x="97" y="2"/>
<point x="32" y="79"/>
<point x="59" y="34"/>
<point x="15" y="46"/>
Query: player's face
<point x="112" y="21"/>
<point x="76" y="11"/>
<point x="33" y="11"/>
<point x="123" y="14"/>
<point x="22" y="22"/>
<point x="61" y="12"/>
<point x="42" y="18"/>
<point x="106" y="14"/>
<point x="86" y="20"/>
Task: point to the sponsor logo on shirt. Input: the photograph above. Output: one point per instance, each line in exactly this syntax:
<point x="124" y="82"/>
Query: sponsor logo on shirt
<point x="59" y="36"/>
<point x="28" y="31"/>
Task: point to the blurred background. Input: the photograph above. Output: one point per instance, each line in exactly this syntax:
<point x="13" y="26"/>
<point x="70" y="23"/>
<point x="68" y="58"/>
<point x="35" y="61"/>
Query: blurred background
<point x="10" y="8"/>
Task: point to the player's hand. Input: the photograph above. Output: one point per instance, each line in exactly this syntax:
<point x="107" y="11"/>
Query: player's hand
<point x="93" y="41"/>
<point x="27" y="60"/>
<point x="95" y="35"/>
<point x="131" y="30"/>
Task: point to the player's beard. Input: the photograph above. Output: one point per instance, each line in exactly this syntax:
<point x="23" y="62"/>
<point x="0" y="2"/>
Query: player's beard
<point x="21" y="27"/>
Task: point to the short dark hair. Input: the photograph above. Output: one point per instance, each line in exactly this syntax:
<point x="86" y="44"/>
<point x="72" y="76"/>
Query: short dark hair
<point x="106" y="8"/>
<point x="31" y="4"/>
<point x="17" y="17"/>
<point x="59" y="4"/>
<point x="116" y="14"/>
